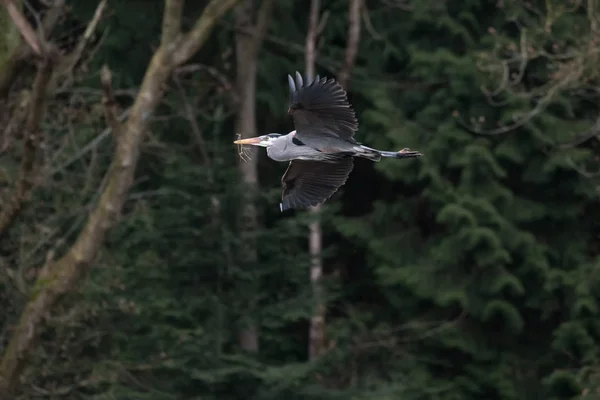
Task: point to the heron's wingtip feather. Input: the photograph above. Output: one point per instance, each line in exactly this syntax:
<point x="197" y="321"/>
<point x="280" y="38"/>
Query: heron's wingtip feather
<point x="291" y="83"/>
<point x="299" y="80"/>
<point x="323" y="102"/>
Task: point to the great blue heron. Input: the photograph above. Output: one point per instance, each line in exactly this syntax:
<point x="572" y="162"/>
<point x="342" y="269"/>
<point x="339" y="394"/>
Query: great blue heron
<point x="322" y="147"/>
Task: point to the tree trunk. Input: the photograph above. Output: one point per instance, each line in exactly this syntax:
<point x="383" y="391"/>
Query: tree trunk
<point x="316" y="334"/>
<point x="249" y="37"/>
<point x="317" y="330"/>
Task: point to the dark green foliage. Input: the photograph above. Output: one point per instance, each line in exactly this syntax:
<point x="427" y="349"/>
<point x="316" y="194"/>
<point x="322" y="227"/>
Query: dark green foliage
<point x="470" y="273"/>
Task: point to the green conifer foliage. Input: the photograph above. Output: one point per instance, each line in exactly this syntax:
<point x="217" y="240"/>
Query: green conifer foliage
<point x="467" y="274"/>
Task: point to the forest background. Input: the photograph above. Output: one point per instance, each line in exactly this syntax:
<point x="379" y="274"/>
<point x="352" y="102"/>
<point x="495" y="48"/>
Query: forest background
<point x="142" y="258"/>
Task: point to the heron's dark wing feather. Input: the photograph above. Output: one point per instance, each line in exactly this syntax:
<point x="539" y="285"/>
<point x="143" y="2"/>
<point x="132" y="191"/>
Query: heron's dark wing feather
<point x="308" y="183"/>
<point x="321" y="108"/>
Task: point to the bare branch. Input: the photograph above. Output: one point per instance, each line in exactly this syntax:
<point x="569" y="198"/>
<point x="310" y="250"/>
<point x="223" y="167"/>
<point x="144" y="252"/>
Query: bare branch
<point x="64" y="274"/>
<point x="171" y="25"/>
<point x="582" y="170"/>
<point x="594" y="131"/>
<point x="369" y="25"/>
<point x="75" y="56"/>
<point x="352" y="42"/>
<point x="33" y="137"/>
<point x="194" y="39"/>
<point x="53" y="15"/>
<point x="226" y="84"/>
<point x="401" y="4"/>
<point x="111" y="112"/>
<point x="540" y="107"/>
<point x="24" y="51"/>
<point x="507" y="81"/>
<point x="518" y="122"/>
<point x="262" y="21"/>
<point x="92" y="145"/>
<point x="25" y="28"/>
<point x="191" y="117"/>
<point x="311" y="38"/>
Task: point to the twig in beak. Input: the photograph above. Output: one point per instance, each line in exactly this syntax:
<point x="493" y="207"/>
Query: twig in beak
<point x="242" y="151"/>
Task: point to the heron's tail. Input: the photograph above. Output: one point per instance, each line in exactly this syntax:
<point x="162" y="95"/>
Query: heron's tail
<point x="376" y="155"/>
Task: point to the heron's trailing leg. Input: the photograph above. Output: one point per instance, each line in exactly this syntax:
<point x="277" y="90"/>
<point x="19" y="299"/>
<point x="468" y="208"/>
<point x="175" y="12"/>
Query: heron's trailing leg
<point x="376" y="155"/>
<point x="404" y="153"/>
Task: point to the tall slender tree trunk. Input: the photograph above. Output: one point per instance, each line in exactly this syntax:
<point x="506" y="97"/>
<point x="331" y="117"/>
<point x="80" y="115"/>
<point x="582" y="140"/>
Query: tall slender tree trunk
<point x="317" y="330"/>
<point x="249" y="37"/>
<point x="316" y="340"/>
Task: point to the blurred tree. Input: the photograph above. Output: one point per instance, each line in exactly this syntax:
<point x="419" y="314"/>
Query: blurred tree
<point x="249" y="38"/>
<point x="317" y="332"/>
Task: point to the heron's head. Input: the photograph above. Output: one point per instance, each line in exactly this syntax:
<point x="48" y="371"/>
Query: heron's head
<point x="264" y="140"/>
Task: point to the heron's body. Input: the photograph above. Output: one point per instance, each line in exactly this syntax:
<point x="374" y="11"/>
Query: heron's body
<point x="321" y="148"/>
<point x="289" y="147"/>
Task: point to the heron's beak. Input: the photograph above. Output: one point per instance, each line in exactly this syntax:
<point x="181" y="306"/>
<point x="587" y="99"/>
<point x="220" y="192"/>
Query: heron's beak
<point x="263" y="141"/>
<point x="254" y="140"/>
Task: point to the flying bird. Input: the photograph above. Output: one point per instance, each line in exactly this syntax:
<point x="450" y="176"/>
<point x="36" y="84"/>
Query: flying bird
<point x="321" y="148"/>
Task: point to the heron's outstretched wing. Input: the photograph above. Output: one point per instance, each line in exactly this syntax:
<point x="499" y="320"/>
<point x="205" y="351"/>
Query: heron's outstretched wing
<point x="321" y="109"/>
<point x="308" y="183"/>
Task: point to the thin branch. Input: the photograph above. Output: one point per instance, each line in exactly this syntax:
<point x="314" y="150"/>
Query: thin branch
<point x="24" y="27"/>
<point x="329" y="64"/>
<point x="223" y="79"/>
<point x="109" y="102"/>
<point x="191" y="117"/>
<point x="33" y="138"/>
<point x="93" y="144"/>
<point x="519" y="122"/>
<point x="53" y="15"/>
<point x="75" y="56"/>
<point x="353" y="42"/>
<point x="36" y="17"/>
<point x="262" y="21"/>
<point x="311" y="38"/>
<point x="592" y="132"/>
<point x="369" y="25"/>
<point x="194" y="39"/>
<point x="171" y="24"/>
<point x="21" y="53"/>
<point x="540" y="107"/>
<point x="64" y="76"/>
<point x="523" y="58"/>
<point x="582" y="170"/>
